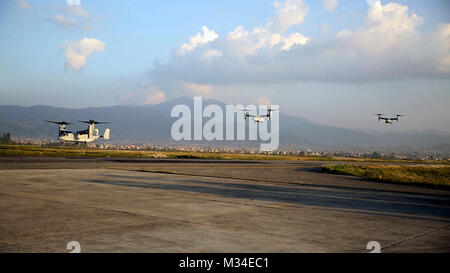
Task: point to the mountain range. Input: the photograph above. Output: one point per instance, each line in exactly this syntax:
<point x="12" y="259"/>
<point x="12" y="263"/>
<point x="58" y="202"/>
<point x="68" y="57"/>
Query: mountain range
<point x="152" y="124"/>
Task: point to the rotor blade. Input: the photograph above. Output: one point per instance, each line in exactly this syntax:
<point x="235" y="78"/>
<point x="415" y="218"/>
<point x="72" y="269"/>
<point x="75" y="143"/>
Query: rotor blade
<point x="91" y="121"/>
<point x="58" y="122"/>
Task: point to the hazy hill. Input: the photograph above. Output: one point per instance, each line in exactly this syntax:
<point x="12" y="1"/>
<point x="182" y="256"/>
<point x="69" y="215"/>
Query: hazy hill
<point x="152" y="123"/>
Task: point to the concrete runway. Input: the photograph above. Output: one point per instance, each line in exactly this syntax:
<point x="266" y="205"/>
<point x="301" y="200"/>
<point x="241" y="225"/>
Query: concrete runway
<point x="132" y="205"/>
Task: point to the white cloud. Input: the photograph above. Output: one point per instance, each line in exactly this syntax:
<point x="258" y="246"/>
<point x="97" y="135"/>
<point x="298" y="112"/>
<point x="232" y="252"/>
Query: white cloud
<point x="237" y="33"/>
<point x="77" y="52"/>
<point x="344" y="33"/>
<point x="387" y="47"/>
<point x="75" y="16"/>
<point x="63" y="21"/>
<point x="330" y="5"/>
<point x="386" y="26"/>
<point x="241" y="42"/>
<point x="24" y="4"/>
<point x="204" y="90"/>
<point x="289" y="13"/>
<point x="294" y="39"/>
<point x="198" y="40"/>
<point x="212" y="54"/>
<point x="76" y="10"/>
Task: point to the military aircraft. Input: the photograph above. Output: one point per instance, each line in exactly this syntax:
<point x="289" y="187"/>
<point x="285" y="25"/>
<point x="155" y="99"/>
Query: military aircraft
<point x="259" y="118"/>
<point x="388" y="120"/>
<point x="84" y="136"/>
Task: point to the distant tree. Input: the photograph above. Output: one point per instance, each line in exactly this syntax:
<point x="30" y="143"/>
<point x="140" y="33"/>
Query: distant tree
<point x="375" y="155"/>
<point x="5" y="138"/>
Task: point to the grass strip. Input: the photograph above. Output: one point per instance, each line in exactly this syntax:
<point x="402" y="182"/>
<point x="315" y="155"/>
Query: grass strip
<point x="431" y="175"/>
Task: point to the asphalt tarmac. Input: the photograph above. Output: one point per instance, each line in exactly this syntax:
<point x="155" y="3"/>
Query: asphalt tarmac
<point x="161" y="205"/>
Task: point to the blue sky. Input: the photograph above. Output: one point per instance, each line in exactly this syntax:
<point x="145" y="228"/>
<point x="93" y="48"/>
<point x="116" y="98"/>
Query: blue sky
<point x="333" y="62"/>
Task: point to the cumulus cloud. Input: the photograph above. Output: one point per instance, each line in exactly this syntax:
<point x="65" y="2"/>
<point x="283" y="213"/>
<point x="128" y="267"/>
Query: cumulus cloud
<point x="294" y="39"/>
<point x="289" y="13"/>
<point x="212" y="54"/>
<point x="76" y="52"/>
<point x="241" y="42"/>
<point x="198" y="40"/>
<point x="330" y="5"/>
<point x="387" y="26"/>
<point x="388" y="46"/>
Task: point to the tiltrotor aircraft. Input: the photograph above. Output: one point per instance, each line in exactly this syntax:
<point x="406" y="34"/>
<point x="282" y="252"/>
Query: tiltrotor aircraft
<point x="88" y="135"/>
<point x="259" y="118"/>
<point x="388" y="120"/>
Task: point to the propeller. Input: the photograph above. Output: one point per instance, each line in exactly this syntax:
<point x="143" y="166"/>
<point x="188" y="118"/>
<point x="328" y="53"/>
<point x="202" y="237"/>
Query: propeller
<point x="91" y="121"/>
<point x="398" y="115"/>
<point x="59" y="122"/>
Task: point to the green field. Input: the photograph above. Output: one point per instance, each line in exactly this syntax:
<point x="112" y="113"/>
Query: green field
<point x="428" y="173"/>
<point x="432" y="175"/>
<point x="80" y="151"/>
<point x="77" y="151"/>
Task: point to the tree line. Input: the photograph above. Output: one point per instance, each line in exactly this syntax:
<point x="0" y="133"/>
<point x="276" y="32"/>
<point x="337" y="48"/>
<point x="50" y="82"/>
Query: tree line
<point x="5" y="138"/>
